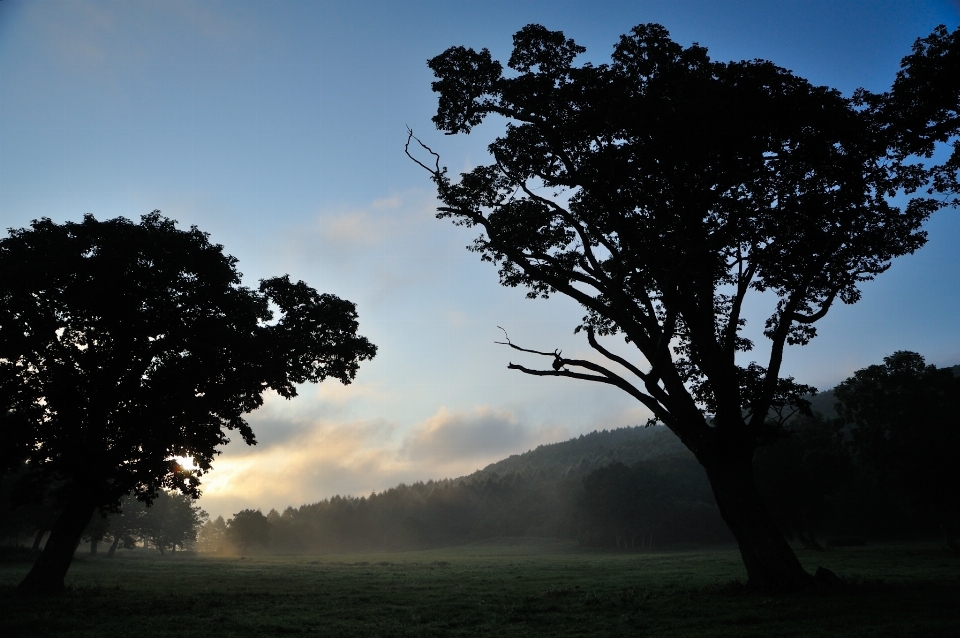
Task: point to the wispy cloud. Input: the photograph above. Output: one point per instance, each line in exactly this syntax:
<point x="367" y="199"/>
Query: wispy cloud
<point x="476" y="435"/>
<point x="305" y="460"/>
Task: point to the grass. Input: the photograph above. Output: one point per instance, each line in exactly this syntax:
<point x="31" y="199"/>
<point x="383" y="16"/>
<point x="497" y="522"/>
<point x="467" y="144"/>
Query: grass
<point x="507" y="588"/>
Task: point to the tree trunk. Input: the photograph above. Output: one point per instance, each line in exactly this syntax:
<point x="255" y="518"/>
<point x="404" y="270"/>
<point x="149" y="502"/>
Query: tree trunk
<point x="46" y="576"/>
<point x="770" y="561"/>
<point x="113" y="546"/>
<point x="93" y="546"/>
<point x="36" y="541"/>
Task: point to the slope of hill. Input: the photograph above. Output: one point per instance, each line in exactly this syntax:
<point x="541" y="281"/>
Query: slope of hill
<point x="582" y="455"/>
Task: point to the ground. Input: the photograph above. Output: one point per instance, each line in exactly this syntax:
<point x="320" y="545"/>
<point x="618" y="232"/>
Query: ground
<point x="511" y="587"/>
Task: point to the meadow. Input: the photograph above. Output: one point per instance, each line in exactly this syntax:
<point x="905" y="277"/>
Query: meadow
<point x="510" y="587"/>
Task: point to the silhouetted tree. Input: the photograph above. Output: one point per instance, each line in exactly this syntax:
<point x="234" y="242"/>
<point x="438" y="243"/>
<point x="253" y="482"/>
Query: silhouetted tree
<point x="658" y="191"/>
<point x="125" y="523"/>
<point x="123" y="346"/>
<point x="247" y="528"/>
<point x="95" y="531"/>
<point x="906" y="428"/>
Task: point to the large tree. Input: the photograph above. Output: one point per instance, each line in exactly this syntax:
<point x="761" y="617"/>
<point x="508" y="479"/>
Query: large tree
<point x="125" y="346"/>
<point x="663" y="188"/>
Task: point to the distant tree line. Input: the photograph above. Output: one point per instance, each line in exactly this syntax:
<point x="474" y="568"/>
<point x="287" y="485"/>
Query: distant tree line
<point x="879" y="466"/>
<point x="881" y="469"/>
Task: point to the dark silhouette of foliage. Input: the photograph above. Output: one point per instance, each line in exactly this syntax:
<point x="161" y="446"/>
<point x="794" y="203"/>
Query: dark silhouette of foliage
<point x="123" y="346"/>
<point x="248" y="528"/>
<point x="663" y="188"/>
<point x="126" y="524"/>
<point x="801" y="474"/>
<point x="905" y="418"/>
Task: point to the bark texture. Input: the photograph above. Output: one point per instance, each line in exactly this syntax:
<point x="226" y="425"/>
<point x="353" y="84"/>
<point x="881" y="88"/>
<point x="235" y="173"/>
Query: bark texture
<point x="47" y="574"/>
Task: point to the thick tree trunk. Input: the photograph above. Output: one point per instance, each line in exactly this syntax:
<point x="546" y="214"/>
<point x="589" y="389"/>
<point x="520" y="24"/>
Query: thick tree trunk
<point x="770" y="561"/>
<point x="46" y="576"/>
<point x="93" y="546"/>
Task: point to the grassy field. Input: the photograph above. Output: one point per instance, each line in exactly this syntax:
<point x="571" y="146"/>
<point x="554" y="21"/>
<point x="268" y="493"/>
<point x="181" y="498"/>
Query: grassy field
<point x="508" y="588"/>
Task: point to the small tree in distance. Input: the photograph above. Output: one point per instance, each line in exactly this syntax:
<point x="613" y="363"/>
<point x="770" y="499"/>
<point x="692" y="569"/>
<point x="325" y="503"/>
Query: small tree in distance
<point x="124" y="346"/>
<point x="660" y="190"/>
<point x="248" y="528"/>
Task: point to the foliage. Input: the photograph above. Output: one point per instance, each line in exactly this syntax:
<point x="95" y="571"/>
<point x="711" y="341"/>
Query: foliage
<point x="663" y="190"/>
<point x="906" y="429"/>
<point x="681" y="184"/>
<point x="667" y="499"/>
<point x="171" y="521"/>
<point x="248" y="528"/>
<point x="212" y="537"/>
<point x="124" y="346"/>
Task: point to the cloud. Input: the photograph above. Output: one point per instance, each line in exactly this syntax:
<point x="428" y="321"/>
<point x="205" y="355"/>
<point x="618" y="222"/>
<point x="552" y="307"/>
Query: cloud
<point x="480" y="434"/>
<point x="306" y="460"/>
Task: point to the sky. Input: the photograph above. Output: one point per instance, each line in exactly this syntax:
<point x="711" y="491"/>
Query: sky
<point x="278" y="127"/>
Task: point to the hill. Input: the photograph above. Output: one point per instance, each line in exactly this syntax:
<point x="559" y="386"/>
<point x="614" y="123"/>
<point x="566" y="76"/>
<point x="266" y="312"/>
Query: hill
<point x="582" y="455"/>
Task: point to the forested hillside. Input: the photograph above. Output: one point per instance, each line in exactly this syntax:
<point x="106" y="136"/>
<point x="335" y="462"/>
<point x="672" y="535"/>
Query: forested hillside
<point x="588" y="452"/>
<point x="540" y="493"/>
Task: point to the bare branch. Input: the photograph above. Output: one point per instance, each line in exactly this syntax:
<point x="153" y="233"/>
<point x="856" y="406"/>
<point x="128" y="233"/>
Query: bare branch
<point x="612" y="379"/>
<point x="436" y="156"/>
<point x="555" y="353"/>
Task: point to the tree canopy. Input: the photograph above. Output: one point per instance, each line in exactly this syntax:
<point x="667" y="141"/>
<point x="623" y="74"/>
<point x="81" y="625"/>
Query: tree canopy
<point x="905" y="419"/>
<point x="124" y="347"/>
<point x="661" y="189"/>
<point x="248" y="527"/>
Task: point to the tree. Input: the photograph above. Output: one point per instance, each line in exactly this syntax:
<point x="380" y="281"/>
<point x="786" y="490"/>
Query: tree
<point x="124" y="346"/>
<point x="212" y="538"/>
<point x="906" y="429"/>
<point x="125" y="522"/>
<point x="248" y="527"/>
<point x="659" y="191"/>
<point x="172" y="520"/>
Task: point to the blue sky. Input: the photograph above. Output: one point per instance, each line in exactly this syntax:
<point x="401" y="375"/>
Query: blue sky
<point x="278" y="127"/>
